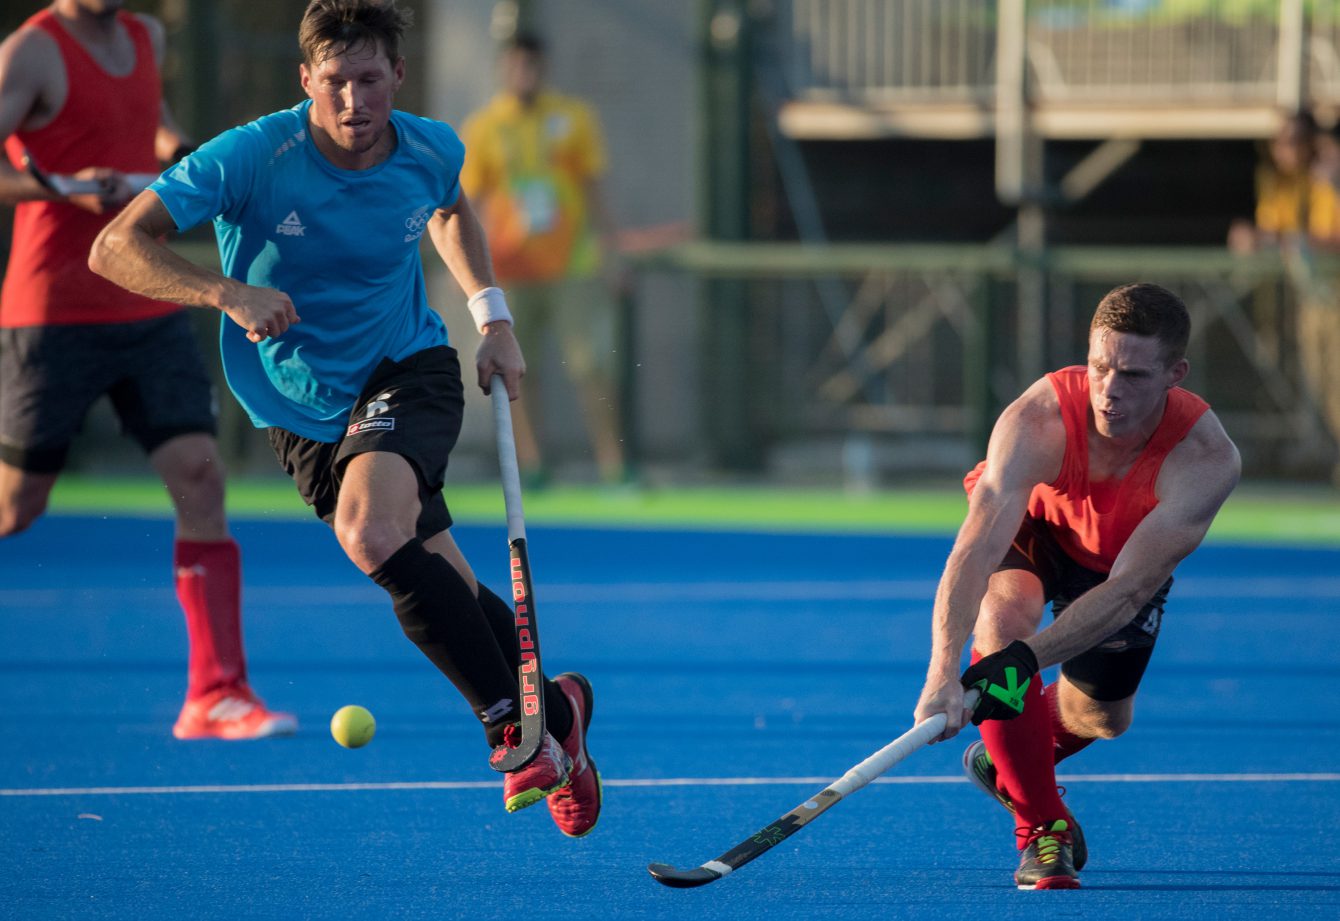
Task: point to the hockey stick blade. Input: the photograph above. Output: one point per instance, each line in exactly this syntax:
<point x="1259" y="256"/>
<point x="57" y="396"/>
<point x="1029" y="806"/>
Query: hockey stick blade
<point x="676" y="878"/>
<point x="529" y="674"/>
<point x="767" y="838"/>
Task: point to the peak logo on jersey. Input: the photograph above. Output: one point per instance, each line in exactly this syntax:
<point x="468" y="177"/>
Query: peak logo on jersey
<point x="371" y="425"/>
<point x="416" y="223"/>
<point x="291" y="226"/>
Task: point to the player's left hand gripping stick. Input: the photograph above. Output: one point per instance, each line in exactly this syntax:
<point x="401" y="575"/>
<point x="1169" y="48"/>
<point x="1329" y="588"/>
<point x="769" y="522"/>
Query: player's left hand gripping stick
<point x="1001" y="678"/>
<point x="529" y="675"/>
<point x="769" y="837"/>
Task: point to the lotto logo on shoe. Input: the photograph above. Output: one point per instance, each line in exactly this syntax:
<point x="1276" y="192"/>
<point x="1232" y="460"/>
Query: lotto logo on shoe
<point x="291" y="226"/>
<point x="370" y="425"/>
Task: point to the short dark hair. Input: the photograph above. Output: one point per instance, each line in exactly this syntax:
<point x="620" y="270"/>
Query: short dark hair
<point x="1146" y="310"/>
<point x="334" y="26"/>
<point x="528" y="42"/>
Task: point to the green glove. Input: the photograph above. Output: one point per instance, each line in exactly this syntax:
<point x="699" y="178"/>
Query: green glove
<point x="1001" y="678"/>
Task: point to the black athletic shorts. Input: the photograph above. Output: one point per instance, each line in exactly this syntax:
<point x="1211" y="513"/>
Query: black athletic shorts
<point x="1111" y="670"/>
<point x="51" y="375"/>
<point x="412" y="408"/>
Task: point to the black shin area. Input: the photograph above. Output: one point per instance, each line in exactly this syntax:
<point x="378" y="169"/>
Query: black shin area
<point x="440" y="615"/>
<point x="499" y="614"/>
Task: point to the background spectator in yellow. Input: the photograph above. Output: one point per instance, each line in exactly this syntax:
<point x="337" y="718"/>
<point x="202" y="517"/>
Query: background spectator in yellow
<point x="1298" y="210"/>
<point x="536" y="157"/>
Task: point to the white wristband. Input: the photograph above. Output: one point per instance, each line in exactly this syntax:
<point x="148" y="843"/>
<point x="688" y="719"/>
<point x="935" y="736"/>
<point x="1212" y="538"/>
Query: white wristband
<point x="488" y="306"/>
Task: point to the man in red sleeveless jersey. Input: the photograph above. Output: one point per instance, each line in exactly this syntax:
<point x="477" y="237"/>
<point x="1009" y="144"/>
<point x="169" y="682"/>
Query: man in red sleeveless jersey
<point x="80" y="97"/>
<point x="1097" y="482"/>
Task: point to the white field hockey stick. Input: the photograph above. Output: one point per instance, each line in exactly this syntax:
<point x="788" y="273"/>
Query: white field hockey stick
<point x="529" y="675"/>
<point x="68" y="185"/>
<point x="767" y="838"/>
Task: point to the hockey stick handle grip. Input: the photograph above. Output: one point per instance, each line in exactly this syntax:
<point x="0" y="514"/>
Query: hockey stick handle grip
<point x="511" y="473"/>
<point x="907" y="743"/>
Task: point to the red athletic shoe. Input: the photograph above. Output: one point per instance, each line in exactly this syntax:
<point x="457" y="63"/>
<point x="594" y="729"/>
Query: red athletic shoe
<point x="546" y="773"/>
<point x="231" y="713"/>
<point x="576" y="807"/>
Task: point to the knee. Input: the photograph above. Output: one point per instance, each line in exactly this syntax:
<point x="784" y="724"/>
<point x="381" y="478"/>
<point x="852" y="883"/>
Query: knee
<point x="1102" y="721"/>
<point x="1001" y="622"/>
<point x="367" y="541"/>
<point x="19" y="512"/>
<point x="197" y="481"/>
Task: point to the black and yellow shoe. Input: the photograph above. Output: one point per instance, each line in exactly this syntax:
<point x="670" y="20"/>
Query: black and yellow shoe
<point x="977" y="767"/>
<point x="1047" y="860"/>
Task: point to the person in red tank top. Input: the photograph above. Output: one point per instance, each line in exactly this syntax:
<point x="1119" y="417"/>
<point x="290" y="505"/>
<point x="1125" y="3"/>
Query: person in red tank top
<point x="80" y="98"/>
<point x="1097" y="482"/>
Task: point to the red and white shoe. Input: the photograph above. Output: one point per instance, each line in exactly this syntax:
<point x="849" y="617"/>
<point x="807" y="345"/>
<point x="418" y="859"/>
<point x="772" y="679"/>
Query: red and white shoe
<point x="547" y="772"/>
<point x="576" y="807"/>
<point x="231" y="713"/>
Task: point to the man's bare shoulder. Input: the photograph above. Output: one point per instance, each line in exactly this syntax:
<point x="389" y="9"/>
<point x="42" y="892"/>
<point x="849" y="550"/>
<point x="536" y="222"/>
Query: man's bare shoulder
<point x="1036" y="408"/>
<point x="1208" y="440"/>
<point x="1206" y="457"/>
<point x="30" y="52"/>
<point x="1028" y="441"/>
<point x="31" y="80"/>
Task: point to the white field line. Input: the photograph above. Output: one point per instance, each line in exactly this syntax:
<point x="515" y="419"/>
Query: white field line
<point x="643" y="783"/>
<point x="650" y="592"/>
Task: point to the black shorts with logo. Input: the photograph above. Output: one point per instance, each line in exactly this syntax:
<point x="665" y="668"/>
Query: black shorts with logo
<point x="412" y="408"/>
<point x="51" y="375"/>
<point x="1111" y="670"/>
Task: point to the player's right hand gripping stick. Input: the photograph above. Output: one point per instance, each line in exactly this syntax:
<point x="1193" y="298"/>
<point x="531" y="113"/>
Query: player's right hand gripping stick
<point x="1002" y="678"/>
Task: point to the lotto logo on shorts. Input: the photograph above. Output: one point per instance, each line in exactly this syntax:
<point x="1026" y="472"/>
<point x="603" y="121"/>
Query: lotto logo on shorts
<point x="370" y="425"/>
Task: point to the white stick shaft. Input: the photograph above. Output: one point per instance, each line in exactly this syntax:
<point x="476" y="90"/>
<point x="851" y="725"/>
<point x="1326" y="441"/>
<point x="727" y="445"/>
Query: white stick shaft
<point x="511" y="473"/>
<point x="884" y="759"/>
<point x="68" y="185"/>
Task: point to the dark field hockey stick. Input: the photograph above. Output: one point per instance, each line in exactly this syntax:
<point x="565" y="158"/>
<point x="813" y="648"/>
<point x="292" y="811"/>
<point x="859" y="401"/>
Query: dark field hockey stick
<point x="529" y="675"/>
<point x="769" y="837"/>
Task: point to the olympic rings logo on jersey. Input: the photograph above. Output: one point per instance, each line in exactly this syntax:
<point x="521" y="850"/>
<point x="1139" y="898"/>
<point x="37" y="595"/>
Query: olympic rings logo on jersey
<point x="416" y="223"/>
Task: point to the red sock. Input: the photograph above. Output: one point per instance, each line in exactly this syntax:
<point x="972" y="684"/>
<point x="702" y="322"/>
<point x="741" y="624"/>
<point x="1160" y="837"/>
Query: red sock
<point x="1021" y="750"/>
<point x="1067" y="743"/>
<point x="209" y="587"/>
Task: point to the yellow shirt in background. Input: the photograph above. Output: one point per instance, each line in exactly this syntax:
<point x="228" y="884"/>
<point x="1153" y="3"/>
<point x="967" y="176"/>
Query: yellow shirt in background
<point x="1280" y="204"/>
<point x="526" y="170"/>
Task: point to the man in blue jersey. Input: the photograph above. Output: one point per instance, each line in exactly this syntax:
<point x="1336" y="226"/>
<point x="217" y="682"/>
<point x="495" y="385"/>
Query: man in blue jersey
<point x="330" y="345"/>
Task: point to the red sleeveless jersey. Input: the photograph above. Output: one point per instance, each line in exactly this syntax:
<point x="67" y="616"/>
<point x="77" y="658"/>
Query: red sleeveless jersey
<point x="106" y="121"/>
<point x="1092" y="521"/>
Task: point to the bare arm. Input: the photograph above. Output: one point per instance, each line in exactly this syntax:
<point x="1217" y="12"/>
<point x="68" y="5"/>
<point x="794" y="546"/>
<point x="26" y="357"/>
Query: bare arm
<point x="25" y="62"/>
<point x="1026" y="448"/>
<point x="128" y="253"/>
<point x="31" y="80"/>
<point x="459" y="240"/>
<point x="1196" y="479"/>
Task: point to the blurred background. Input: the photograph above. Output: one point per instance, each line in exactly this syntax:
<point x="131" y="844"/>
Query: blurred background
<point x="856" y="229"/>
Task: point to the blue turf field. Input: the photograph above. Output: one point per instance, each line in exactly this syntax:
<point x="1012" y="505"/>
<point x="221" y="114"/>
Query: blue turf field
<point x="766" y="663"/>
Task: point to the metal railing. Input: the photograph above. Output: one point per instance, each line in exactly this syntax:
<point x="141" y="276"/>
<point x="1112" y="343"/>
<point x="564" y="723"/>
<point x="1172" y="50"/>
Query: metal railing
<point x="1091" y="51"/>
<point x="930" y="344"/>
<point x="899" y="49"/>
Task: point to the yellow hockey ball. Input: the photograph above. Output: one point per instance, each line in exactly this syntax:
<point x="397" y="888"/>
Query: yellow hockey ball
<point x="352" y="726"/>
